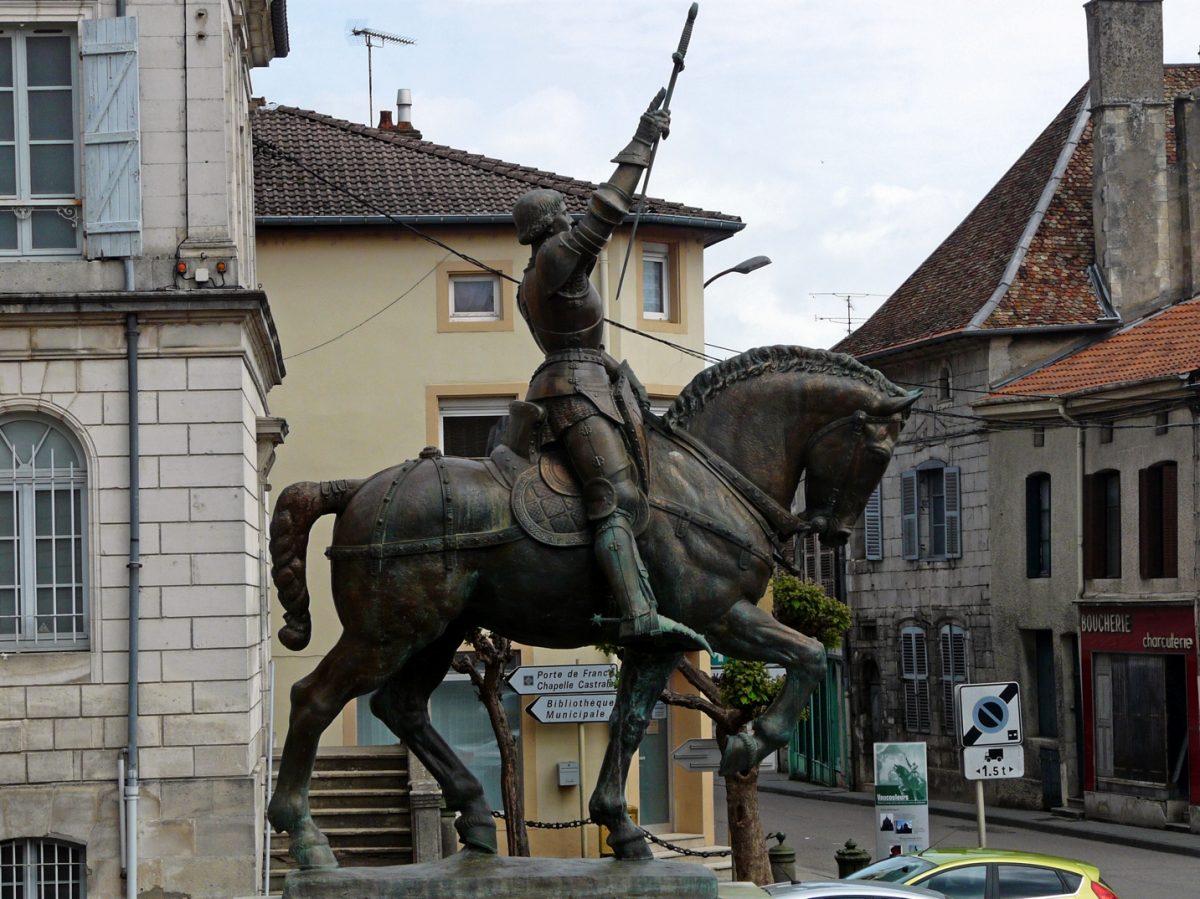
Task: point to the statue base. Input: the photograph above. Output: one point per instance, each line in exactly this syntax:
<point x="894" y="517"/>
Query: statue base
<point x="468" y="874"/>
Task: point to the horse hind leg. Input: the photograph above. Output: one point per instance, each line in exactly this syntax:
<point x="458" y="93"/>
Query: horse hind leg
<point x="351" y="668"/>
<point x="402" y="703"/>
<point x="748" y="633"/>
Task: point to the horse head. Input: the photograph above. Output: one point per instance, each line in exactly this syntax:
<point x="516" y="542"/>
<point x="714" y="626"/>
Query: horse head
<point x="844" y="460"/>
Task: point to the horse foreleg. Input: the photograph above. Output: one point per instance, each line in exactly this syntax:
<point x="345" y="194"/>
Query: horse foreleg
<point x="402" y="703"/>
<point x="748" y="633"/>
<point x="643" y="676"/>
<point x="351" y="668"/>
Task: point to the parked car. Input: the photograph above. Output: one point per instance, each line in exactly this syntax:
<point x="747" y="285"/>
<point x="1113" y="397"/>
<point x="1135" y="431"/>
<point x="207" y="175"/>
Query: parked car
<point x="827" y="889"/>
<point x="991" y="874"/>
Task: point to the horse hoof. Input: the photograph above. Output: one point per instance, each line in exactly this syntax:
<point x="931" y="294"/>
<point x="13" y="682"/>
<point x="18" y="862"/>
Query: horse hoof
<point x="738" y="755"/>
<point x="633" y="850"/>
<point x="479" y="837"/>
<point x="314" y="856"/>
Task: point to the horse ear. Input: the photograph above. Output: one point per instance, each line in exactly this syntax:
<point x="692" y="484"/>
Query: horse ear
<point x="903" y="404"/>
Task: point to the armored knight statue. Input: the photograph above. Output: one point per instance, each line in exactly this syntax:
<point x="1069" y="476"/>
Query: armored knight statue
<point x="575" y="384"/>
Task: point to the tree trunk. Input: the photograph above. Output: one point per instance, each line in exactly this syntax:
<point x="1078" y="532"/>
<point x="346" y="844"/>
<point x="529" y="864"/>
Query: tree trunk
<point x="510" y="782"/>
<point x="750" y="859"/>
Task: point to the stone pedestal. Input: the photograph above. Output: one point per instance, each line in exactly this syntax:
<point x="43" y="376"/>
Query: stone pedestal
<point x="467" y="875"/>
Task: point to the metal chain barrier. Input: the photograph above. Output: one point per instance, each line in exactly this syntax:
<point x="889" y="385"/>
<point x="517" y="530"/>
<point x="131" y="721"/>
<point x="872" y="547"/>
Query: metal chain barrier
<point x="682" y="850"/>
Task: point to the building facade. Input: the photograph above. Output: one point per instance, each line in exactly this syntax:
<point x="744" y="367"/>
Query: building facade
<point x="400" y="343"/>
<point x="135" y="362"/>
<point x="1092" y="229"/>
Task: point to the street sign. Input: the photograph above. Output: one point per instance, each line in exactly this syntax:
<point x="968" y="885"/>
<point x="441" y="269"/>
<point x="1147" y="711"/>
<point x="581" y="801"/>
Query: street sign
<point x="579" y="708"/>
<point x="989" y="714"/>
<point x="534" y="680"/>
<point x="993" y="762"/>
<point x="698" y="755"/>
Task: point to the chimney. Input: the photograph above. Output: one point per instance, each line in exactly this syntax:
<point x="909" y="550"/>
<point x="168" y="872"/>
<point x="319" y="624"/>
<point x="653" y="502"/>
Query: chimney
<point x="1130" y="197"/>
<point x="404" y="114"/>
<point x="385" y="120"/>
<point x="1187" y="142"/>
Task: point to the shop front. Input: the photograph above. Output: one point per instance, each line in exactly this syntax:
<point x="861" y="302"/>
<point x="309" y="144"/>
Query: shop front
<point x="1141" y="713"/>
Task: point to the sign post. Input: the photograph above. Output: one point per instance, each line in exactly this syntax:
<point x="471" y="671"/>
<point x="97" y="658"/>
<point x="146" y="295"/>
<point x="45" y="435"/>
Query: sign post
<point x="989" y="729"/>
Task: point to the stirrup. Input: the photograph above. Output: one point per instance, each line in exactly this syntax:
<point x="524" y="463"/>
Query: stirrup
<point x="640" y="627"/>
<point x="671" y="635"/>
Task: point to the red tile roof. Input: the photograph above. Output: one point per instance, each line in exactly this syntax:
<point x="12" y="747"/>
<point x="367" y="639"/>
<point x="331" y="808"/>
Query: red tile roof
<point x="1166" y="344"/>
<point x="953" y="291"/>
<point x="405" y="177"/>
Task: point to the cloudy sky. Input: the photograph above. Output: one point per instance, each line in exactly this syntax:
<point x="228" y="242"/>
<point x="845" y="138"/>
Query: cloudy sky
<point x="850" y="135"/>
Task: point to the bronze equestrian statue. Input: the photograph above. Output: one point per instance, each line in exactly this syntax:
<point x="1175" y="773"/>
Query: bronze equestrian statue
<point x="426" y="550"/>
<point x="576" y="384"/>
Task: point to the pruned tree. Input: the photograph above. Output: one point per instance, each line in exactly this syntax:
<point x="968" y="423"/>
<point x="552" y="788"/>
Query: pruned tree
<point x="493" y="655"/>
<point x="742" y="691"/>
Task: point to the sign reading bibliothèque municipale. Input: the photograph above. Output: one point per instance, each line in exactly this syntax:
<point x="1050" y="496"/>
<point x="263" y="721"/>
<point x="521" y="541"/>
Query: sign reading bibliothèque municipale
<point x="901" y="799"/>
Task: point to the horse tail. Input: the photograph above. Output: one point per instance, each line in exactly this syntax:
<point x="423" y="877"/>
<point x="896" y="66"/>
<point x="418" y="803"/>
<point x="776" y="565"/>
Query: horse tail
<point x="298" y="507"/>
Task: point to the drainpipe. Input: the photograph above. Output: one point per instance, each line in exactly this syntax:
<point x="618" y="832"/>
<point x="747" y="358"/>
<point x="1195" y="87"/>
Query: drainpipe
<point x="135" y="571"/>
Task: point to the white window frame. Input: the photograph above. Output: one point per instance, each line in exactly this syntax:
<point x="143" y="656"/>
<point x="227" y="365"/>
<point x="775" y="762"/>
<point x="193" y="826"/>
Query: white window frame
<point x="41" y="855"/>
<point x="24" y="203"/>
<point x="459" y="278"/>
<point x="26" y="483"/>
<point x="659" y="254"/>
<point x="469" y="407"/>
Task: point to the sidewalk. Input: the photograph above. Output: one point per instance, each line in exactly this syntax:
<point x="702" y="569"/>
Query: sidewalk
<point x="1121" y="834"/>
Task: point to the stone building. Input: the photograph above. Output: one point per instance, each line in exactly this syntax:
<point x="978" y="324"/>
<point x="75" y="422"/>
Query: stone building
<point x="1089" y="231"/>
<point x="135" y="361"/>
<point x="399" y="344"/>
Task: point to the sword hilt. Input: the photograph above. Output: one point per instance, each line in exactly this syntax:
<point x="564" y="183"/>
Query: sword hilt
<point x="681" y="52"/>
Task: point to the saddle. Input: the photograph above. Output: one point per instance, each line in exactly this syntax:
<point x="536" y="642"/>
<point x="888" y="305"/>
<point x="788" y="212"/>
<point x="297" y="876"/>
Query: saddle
<point x="547" y="498"/>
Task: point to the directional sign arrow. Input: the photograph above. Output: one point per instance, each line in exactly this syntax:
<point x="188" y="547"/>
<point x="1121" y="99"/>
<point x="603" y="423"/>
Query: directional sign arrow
<point x="581" y="708"/>
<point x="537" y="680"/>
<point x="698" y="755"/>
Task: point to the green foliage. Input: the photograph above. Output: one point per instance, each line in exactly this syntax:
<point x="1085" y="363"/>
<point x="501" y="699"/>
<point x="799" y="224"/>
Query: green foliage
<point x="807" y="608"/>
<point x="747" y="686"/>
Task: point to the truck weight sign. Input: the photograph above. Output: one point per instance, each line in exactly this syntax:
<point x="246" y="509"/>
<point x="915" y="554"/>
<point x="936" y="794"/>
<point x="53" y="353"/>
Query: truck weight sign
<point x="993" y="762"/>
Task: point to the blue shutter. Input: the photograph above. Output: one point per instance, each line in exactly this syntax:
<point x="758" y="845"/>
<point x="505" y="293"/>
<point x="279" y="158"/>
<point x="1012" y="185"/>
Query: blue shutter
<point x="873" y="524"/>
<point x="953" y="512"/>
<point x="908" y="515"/>
<point x="112" y="195"/>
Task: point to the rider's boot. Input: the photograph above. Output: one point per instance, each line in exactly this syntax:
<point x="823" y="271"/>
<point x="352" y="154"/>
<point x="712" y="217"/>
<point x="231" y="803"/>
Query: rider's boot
<point x="617" y="553"/>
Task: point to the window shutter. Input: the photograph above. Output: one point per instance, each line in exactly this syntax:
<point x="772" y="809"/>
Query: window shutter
<point x="908" y="515"/>
<point x="1033" y="526"/>
<point x="1170" y="520"/>
<point x="112" y="197"/>
<point x="953" y="645"/>
<point x="873" y="524"/>
<point x="952" y="475"/>
<point x="1093" y="526"/>
<point x="915" y="674"/>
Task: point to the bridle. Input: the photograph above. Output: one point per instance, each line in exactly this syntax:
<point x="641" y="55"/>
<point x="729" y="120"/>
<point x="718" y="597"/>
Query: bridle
<point x="851" y="463"/>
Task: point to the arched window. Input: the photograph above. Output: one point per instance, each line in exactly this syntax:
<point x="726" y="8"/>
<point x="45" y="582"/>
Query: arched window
<point x="47" y="869"/>
<point x="43" y="527"/>
<point x="914" y="672"/>
<point x="945" y="384"/>
<point x="952" y="643"/>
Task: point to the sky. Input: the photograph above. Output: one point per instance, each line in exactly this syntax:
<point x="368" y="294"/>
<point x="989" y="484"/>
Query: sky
<point x="850" y="135"/>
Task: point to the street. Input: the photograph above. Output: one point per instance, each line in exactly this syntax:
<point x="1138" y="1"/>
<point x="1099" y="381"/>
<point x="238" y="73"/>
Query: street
<point x="817" y="828"/>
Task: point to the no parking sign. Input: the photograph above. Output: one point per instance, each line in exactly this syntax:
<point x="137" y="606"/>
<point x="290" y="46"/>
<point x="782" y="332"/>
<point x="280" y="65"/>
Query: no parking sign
<point x="989" y="714"/>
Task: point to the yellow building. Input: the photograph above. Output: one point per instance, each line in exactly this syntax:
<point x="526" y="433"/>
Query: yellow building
<point x="393" y="343"/>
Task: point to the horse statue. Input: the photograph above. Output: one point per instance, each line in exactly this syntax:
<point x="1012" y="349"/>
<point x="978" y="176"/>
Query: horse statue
<point x="429" y="549"/>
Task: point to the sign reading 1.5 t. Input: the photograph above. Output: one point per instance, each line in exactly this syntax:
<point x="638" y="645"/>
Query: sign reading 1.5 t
<point x="989" y="714"/>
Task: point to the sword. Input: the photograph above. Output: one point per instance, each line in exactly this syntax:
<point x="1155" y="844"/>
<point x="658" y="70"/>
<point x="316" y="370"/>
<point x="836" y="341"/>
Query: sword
<point x="677" y="67"/>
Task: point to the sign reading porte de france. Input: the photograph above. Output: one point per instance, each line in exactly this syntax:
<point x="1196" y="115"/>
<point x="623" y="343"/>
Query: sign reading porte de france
<point x="532" y="680"/>
<point x="579" y="708"/>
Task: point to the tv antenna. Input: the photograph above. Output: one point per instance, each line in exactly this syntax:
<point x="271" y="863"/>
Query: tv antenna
<point x="849" y="319"/>
<point x="373" y="38"/>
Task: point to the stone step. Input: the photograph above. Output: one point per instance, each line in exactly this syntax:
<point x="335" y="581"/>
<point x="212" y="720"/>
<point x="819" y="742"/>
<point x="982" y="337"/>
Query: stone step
<point x="367" y="779"/>
<point x="355" y="837"/>
<point x="357" y="758"/>
<point x="1070" y="812"/>
<point x="328" y="797"/>
<point x="1178" y="827"/>
<point x="721" y="865"/>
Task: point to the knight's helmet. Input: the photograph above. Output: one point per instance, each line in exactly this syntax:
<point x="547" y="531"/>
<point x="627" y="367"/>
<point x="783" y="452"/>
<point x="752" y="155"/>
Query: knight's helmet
<point x="534" y="212"/>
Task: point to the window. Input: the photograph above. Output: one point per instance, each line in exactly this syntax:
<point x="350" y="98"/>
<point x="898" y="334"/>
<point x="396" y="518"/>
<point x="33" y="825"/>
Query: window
<point x="1162" y="423"/>
<point x="656" y="281"/>
<point x="1029" y="882"/>
<point x="914" y="671"/>
<point x="873" y="525"/>
<point x="43" y="519"/>
<point x="1037" y="525"/>
<point x="1102" y="525"/>
<point x="945" y="384"/>
<point x="816" y="561"/>
<point x="1158" y="521"/>
<point x="459" y="716"/>
<point x="1039" y="436"/>
<point x="475" y="297"/>
<point x="38" y="141"/>
<point x="1106" y="432"/>
<point x="930" y="512"/>
<point x="466" y="423"/>
<point x="45" y="869"/>
<point x="953" y="642"/>
<point x="969" y="882"/>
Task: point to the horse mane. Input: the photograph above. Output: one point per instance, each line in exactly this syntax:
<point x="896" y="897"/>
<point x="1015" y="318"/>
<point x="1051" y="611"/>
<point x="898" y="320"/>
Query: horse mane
<point x="766" y="360"/>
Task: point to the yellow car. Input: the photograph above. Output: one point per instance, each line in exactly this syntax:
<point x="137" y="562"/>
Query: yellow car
<point x="991" y="874"/>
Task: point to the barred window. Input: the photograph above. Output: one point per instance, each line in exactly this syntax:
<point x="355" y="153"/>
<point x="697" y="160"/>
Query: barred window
<point x="42" y="869"/>
<point x="914" y="671"/>
<point x="43" y="522"/>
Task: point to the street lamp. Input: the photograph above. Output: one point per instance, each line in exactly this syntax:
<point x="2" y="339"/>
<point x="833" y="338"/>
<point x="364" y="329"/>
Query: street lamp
<point x="742" y="268"/>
